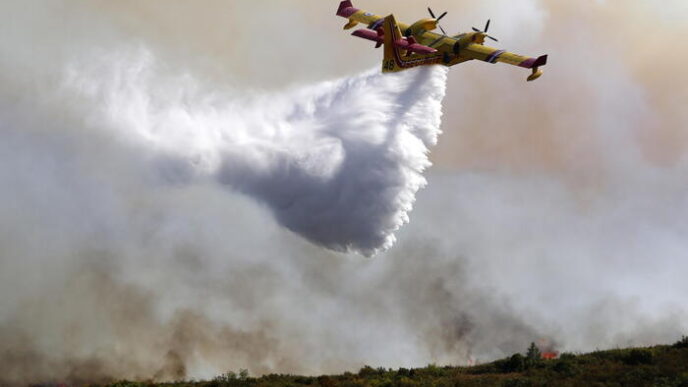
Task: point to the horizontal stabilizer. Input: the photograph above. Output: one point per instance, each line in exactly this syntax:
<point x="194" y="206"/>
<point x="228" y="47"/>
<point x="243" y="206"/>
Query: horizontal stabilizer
<point x="408" y="44"/>
<point x="412" y="46"/>
<point x="369" y="35"/>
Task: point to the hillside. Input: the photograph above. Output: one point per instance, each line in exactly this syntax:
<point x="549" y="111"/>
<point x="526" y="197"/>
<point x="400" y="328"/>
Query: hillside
<point x="664" y="365"/>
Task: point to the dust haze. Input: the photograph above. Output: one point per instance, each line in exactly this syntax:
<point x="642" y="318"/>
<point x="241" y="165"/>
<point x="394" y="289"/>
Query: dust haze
<point x="554" y="210"/>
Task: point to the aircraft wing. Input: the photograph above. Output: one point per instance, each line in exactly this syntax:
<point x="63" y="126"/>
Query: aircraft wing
<point x="439" y="42"/>
<point x="356" y="16"/>
<point x="493" y="55"/>
<point x="420" y="40"/>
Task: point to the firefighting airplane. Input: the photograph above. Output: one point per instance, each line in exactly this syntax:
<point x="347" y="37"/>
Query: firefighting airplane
<point x="416" y="45"/>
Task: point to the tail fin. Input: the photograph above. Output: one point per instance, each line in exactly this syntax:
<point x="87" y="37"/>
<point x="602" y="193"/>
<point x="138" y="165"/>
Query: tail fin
<point x="404" y="53"/>
<point x="392" y="33"/>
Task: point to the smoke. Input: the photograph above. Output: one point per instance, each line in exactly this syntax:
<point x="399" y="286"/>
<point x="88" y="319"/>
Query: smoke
<point x="146" y="194"/>
<point x="122" y="174"/>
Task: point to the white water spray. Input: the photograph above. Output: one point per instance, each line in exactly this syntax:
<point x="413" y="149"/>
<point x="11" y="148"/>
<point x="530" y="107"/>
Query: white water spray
<point x="338" y="162"/>
<point x="121" y="167"/>
<point x="124" y="252"/>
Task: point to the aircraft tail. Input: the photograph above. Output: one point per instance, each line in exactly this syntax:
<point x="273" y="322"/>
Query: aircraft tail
<point x="404" y="53"/>
<point x="391" y="34"/>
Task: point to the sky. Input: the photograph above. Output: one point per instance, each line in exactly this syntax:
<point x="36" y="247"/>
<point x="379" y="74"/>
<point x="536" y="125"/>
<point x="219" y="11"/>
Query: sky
<point x="596" y="44"/>
<point x="554" y="211"/>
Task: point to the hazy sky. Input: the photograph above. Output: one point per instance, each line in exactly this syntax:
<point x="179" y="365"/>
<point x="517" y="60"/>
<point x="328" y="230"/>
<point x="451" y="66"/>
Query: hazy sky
<point x="554" y="210"/>
<point x="595" y="47"/>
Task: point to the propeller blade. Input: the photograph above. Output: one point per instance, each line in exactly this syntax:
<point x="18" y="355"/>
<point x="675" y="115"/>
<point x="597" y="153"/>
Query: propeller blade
<point x="441" y="16"/>
<point x="495" y="39"/>
<point x="443" y="31"/>
<point x="487" y="26"/>
<point x="431" y="13"/>
<point x="476" y="30"/>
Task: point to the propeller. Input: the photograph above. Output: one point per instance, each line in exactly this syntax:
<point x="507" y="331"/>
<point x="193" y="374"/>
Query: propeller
<point x="487" y="27"/>
<point x="438" y="19"/>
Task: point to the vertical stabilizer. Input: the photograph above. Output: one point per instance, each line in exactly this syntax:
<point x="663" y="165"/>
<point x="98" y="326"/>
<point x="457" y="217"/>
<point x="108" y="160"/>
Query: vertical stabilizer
<point x="392" y="33"/>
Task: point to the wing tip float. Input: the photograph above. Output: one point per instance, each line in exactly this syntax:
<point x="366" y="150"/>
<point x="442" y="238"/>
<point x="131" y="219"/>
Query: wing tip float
<point x="535" y="64"/>
<point x="408" y="46"/>
<point x="346" y="9"/>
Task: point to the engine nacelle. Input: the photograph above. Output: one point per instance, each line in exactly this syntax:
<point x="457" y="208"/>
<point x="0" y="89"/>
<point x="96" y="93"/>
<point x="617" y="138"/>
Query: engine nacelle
<point x="466" y="39"/>
<point x="421" y="26"/>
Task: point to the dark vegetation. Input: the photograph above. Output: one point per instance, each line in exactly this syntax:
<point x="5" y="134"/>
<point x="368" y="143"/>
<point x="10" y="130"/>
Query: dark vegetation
<point x="662" y="366"/>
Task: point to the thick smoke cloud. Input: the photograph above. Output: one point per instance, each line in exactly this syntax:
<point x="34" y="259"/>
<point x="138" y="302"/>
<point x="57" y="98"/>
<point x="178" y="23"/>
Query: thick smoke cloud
<point x="121" y="175"/>
<point x="129" y="248"/>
